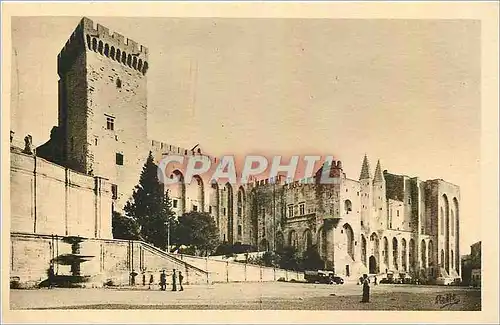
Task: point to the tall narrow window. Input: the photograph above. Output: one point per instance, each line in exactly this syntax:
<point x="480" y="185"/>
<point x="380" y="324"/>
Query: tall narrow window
<point x="110" y="123"/>
<point x="302" y="209"/>
<point x="174" y="204"/>
<point x="119" y="159"/>
<point x="114" y="191"/>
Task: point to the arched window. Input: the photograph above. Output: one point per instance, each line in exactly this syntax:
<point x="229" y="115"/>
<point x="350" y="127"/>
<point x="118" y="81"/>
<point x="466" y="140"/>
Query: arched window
<point x="89" y="43"/>
<point x="395" y="253"/>
<point x="145" y="67"/>
<point x="139" y="65"/>
<point x="112" y="52"/>
<point x="118" y="55"/>
<point x="129" y="60"/>
<point x="307" y="237"/>
<point x="106" y="50"/>
<point x="349" y="240"/>
<point x="94" y="44"/>
<point x="100" y="47"/>
<point x="124" y="57"/>
<point x="423" y="251"/>
<point x="347" y="206"/>
<point x="292" y="239"/>
<point x="386" y="252"/>
<point x="134" y="62"/>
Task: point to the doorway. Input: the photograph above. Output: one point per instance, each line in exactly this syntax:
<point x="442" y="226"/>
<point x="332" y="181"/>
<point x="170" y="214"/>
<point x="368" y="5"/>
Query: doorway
<point x="372" y="265"/>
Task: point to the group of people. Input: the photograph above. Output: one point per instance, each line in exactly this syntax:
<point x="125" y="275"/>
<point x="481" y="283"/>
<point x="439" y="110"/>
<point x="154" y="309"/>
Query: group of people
<point x="163" y="280"/>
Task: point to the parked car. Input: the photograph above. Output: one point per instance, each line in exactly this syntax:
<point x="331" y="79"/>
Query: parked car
<point x="322" y="276"/>
<point x="444" y="281"/>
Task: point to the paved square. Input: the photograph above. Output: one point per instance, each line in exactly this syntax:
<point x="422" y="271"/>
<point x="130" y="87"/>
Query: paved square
<point x="254" y="296"/>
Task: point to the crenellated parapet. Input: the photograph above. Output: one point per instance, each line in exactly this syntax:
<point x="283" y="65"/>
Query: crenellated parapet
<point x="87" y="37"/>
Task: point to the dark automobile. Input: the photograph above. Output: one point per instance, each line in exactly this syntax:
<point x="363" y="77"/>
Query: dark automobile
<point x="321" y="276"/>
<point x="338" y="280"/>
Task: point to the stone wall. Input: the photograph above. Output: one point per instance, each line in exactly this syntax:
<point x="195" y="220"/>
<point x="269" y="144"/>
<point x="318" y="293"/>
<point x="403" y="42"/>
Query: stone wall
<point x="49" y="199"/>
<point x="109" y="260"/>
<point x="227" y="271"/>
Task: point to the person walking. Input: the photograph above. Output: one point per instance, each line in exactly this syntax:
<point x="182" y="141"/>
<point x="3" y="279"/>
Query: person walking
<point x="163" y="281"/>
<point x="366" y="289"/>
<point x="174" y="281"/>
<point x="151" y="280"/>
<point x="181" y="277"/>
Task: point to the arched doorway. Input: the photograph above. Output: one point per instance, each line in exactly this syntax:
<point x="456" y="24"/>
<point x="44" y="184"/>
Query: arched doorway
<point x="372" y="265"/>
<point x="375" y="250"/>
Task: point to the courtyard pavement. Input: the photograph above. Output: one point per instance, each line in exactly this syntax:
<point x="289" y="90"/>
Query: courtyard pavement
<point x="253" y="296"/>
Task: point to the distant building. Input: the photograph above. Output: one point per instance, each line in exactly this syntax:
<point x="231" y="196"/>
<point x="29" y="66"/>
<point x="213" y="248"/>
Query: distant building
<point x="471" y="266"/>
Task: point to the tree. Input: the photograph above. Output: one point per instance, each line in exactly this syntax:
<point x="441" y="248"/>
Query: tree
<point x="150" y="206"/>
<point x="197" y="229"/>
<point x="289" y="258"/>
<point x="125" y="227"/>
<point x="311" y="259"/>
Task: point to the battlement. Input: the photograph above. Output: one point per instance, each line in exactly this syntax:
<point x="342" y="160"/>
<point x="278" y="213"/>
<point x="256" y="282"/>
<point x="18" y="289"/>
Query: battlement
<point x="98" y="38"/>
<point x="166" y="148"/>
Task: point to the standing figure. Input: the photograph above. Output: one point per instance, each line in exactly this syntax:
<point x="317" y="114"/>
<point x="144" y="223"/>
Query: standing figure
<point x="366" y="289"/>
<point x="151" y="280"/>
<point x="163" y="281"/>
<point x="181" y="277"/>
<point x="51" y="275"/>
<point x="174" y="281"/>
<point x="143" y="278"/>
<point x="375" y="281"/>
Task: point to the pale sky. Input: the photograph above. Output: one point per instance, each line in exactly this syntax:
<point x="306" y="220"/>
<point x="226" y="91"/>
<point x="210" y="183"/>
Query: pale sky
<point x="406" y="92"/>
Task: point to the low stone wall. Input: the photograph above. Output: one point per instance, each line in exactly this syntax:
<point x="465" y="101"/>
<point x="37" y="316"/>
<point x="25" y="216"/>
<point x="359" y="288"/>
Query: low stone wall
<point x="226" y="271"/>
<point x="113" y="260"/>
<point x="109" y="261"/>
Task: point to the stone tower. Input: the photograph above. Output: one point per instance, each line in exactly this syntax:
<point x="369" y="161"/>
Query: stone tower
<point x="103" y="106"/>
<point x="379" y="199"/>
<point x="365" y="182"/>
